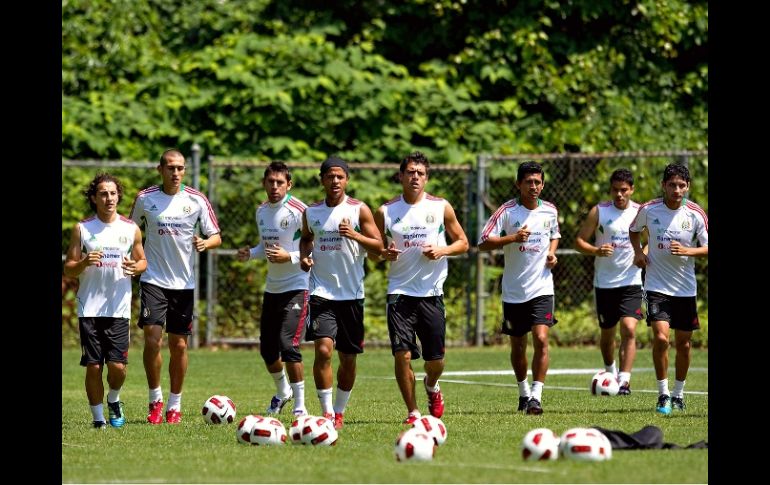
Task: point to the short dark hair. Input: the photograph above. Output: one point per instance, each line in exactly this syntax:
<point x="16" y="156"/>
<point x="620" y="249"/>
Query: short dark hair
<point x="622" y="175"/>
<point x="674" y="169"/>
<point x="527" y="168"/>
<point x="100" y="178"/>
<point x="169" y="152"/>
<point x="415" y="157"/>
<point x="278" y="167"/>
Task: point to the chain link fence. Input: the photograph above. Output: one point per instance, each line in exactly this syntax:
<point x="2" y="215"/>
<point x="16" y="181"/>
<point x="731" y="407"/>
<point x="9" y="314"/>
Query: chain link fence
<point x="230" y="291"/>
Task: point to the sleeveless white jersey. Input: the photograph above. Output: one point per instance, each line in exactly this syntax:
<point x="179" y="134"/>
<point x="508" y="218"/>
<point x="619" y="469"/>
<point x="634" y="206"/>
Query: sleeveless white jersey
<point x="411" y="227"/>
<point x="169" y="222"/>
<point x="104" y="291"/>
<point x="338" y="269"/>
<point x="666" y="273"/>
<point x="281" y="224"/>
<point x="525" y="275"/>
<point x="616" y="270"/>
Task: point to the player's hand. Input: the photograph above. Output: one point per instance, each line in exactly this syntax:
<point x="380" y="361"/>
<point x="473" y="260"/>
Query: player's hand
<point x="605" y="250"/>
<point x="550" y="260"/>
<point x="200" y="244"/>
<point x="276" y="254"/>
<point x="129" y="266"/>
<point x="94" y="258"/>
<point x="432" y="252"/>
<point x="677" y="249"/>
<point x="244" y="253"/>
<point x="306" y="263"/>
<point x="522" y="235"/>
<point x="346" y="230"/>
<point x="391" y="252"/>
<point x="640" y="260"/>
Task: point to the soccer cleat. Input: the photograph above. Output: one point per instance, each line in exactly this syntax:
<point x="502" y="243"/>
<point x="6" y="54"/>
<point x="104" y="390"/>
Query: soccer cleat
<point x="299" y="412"/>
<point x="664" y="404"/>
<point x="412" y="417"/>
<point x="338" y="418"/>
<point x="534" y="407"/>
<point x="523" y="400"/>
<point x="435" y="403"/>
<point x="173" y="416"/>
<point x="155" y="415"/>
<point x="277" y="404"/>
<point x="117" y="416"/>
<point x="99" y="425"/>
<point x="624" y="389"/>
<point x="677" y="403"/>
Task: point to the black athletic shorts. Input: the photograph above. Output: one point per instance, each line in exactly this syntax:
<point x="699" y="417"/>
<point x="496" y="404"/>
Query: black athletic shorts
<point x="518" y="318"/>
<point x="340" y="320"/>
<point x="172" y="308"/>
<point x="103" y="339"/>
<point x="412" y="317"/>
<point x="679" y="311"/>
<point x="612" y="304"/>
<point x="281" y="325"/>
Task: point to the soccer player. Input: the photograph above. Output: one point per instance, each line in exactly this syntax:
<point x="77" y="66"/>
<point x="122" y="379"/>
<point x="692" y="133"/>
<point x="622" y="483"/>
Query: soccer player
<point x="617" y="281"/>
<point x="284" y="302"/>
<point x="170" y="213"/>
<point x="527" y="228"/>
<point x="339" y="231"/>
<point x="678" y="233"/>
<point x="105" y="252"/>
<point x="415" y="225"/>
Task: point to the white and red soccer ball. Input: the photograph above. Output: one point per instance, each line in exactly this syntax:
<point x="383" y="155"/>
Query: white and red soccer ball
<point x="585" y="444"/>
<point x="267" y="431"/>
<point x="433" y="427"/>
<point x="218" y="409"/>
<point x="314" y="431"/>
<point x="414" y="445"/>
<point x="540" y="444"/>
<point x="243" y="430"/>
<point x="604" y="383"/>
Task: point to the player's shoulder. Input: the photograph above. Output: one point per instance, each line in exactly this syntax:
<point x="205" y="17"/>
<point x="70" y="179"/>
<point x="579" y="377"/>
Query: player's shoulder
<point x="295" y="204"/>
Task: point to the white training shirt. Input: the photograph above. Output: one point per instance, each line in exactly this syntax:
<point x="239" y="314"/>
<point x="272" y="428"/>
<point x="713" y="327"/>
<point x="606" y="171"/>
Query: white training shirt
<point x="169" y="224"/>
<point x="281" y="224"/>
<point x="104" y="290"/>
<point x="338" y="262"/>
<point x="619" y="269"/>
<point x="525" y="275"/>
<point x="411" y="226"/>
<point x="666" y="273"/>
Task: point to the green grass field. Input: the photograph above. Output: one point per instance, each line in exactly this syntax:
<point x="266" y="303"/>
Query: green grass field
<point x="484" y="432"/>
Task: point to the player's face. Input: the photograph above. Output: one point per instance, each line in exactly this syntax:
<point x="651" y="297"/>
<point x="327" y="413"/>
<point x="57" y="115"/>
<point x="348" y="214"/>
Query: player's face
<point x="172" y="173"/>
<point x="621" y="193"/>
<point x="276" y="186"/>
<point x="674" y="190"/>
<point x="106" y="198"/>
<point x="335" y="181"/>
<point x="530" y="186"/>
<point x="414" y="177"/>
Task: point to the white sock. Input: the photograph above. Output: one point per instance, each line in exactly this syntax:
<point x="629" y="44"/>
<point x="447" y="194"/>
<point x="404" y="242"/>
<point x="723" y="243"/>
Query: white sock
<point x="524" y="388"/>
<point x="537" y="390"/>
<point x="113" y="395"/>
<point x="174" y="402"/>
<point x="435" y="388"/>
<point x="341" y="400"/>
<point x="624" y="377"/>
<point x="298" y="388"/>
<point x="678" y="389"/>
<point x="156" y="394"/>
<point x="97" y="412"/>
<point x="612" y="368"/>
<point x="663" y="387"/>
<point x="282" y="388"/>
<point x="325" y="396"/>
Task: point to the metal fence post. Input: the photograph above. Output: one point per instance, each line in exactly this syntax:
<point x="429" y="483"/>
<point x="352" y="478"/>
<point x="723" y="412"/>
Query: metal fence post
<point x="196" y="182"/>
<point x="481" y="175"/>
<point x="211" y="317"/>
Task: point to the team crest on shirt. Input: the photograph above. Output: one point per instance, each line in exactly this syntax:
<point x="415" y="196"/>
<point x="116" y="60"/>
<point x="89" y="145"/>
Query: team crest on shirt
<point x="686" y="225"/>
<point x="187" y="209"/>
<point x="547" y="224"/>
<point x="285" y="223"/>
<point x="430" y="218"/>
<point x="123" y="239"/>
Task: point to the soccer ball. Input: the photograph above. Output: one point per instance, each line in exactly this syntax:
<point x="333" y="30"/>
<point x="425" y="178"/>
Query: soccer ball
<point x="585" y="444"/>
<point x="243" y="431"/>
<point x="540" y="444"/>
<point x="295" y="430"/>
<point x="433" y="427"/>
<point x="218" y="409"/>
<point x="603" y="383"/>
<point x="315" y="431"/>
<point x="267" y="431"/>
<point x="414" y="444"/>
